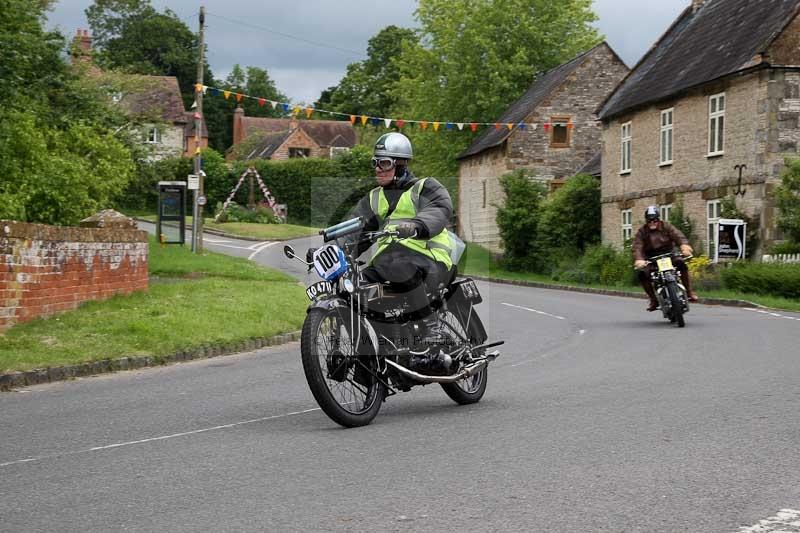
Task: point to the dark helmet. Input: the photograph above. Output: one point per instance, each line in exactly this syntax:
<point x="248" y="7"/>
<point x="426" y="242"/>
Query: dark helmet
<point x="652" y="213"/>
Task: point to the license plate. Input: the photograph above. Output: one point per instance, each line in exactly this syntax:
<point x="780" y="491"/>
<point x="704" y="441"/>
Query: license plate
<point x="319" y="289"/>
<point x="665" y="263"/>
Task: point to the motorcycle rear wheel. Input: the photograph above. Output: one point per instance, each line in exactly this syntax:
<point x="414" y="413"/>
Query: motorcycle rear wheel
<point x="342" y="382"/>
<point x="468" y="390"/>
<point x="676" y="304"/>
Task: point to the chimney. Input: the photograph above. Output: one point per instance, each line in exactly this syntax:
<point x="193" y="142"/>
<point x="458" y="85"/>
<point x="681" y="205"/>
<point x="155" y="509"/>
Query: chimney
<point x="238" y="125"/>
<point x="82" y="46"/>
<point x="293" y="122"/>
<point x="697" y="4"/>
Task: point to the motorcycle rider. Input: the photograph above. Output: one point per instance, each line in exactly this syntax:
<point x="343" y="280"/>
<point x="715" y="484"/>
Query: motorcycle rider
<point x="657" y="237"/>
<point x="419" y="210"/>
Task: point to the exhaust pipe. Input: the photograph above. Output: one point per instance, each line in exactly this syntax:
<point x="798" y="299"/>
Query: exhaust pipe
<point x="468" y="371"/>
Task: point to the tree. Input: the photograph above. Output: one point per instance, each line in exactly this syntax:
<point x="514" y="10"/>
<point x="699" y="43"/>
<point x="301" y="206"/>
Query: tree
<point x="109" y="18"/>
<point x="787" y="196"/>
<point x="255" y="81"/>
<point x="366" y="87"/>
<point x="475" y="57"/>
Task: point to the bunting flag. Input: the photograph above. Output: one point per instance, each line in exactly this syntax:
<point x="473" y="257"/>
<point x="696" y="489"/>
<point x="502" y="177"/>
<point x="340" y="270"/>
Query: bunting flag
<point x="387" y="122"/>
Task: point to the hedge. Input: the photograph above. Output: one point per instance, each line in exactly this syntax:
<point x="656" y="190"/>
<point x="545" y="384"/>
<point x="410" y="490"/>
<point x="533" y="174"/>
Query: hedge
<point x="763" y="278"/>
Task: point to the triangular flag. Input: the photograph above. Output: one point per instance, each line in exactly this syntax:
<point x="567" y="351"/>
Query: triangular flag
<point x="197" y="150"/>
<point x="496" y="126"/>
<point x="387" y="121"/>
<point x="522" y="125"/>
<point x="375" y="121"/>
<point x="352" y="119"/>
<point x="435" y="126"/>
<point x="196" y="115"/>
<point x="570" y="125"/>
<point x="205" y="89"/>
<point x="309" y="110"/>
<point x="473" y="126"/>
<point x="198" y="87"/>
<point x="261" y="102"/>
<point x="238" y="97"/>
<point x="423" y="124"/>
<point x="226" y="94"/>
<point x="510" y="126"/>
<point x="286" y="107"/>
<point x="215" y="92"/>
<point x="449" y="125"/>
<point x="546" y="127"/>
<point x="364" y="120"/>
<point x="296" y="110"/>
<point x="194" y="105"/>
<point x="273" y="103"/>
<point x="460" y="125"/>
<point x="400" y="122"/>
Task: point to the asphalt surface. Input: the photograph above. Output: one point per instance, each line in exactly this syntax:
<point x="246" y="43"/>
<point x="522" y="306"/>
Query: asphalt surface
<point x="598" y="417"/>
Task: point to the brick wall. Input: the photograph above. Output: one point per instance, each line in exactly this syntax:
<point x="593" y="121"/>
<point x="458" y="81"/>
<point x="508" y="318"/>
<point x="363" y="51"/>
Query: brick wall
<point x="47" y="269"/>
<point x="299" y="139"/>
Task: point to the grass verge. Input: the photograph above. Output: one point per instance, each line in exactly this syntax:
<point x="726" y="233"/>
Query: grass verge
<point x="478" y="261"/>
<point x="192" y="301"/>
<point x="266" y="232"/>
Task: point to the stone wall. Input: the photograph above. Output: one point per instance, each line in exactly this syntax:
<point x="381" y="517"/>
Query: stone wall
<point x="48" y="269"/>
<point x="299" y="139"/>
<point x="479" y="194"/>
<point x="761" y="130"/>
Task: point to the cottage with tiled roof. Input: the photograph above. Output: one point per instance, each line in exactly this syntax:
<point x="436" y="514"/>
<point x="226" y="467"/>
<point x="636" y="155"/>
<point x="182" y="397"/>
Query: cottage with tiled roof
<point x="285" y="138"/>
<point x="565" y="98"/>
<point x="718" y="91"/>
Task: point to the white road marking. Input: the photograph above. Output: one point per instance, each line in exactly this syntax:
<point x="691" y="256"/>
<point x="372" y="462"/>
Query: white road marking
<point x="534" y="311"/>
<point x="786" y="521"/>
<point x="263" y="245"/>
<point x="153" y="439"/>
<point x="769" y="313"/>
<point x="257" y="245"/>
<point x="206" y="239"/>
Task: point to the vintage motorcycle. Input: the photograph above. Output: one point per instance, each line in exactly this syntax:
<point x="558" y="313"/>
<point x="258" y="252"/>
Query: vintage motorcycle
<point x="357" y="340"/>
<point x="670" y="292"/>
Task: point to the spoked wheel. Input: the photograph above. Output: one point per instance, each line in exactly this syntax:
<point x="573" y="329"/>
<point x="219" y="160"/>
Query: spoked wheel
<point x="342" y="381"/>
<point x="674" y="293"/>
<point x="471" y="389"/>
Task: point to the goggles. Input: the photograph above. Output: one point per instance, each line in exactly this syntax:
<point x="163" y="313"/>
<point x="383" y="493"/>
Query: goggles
<point x="383" y="163"/>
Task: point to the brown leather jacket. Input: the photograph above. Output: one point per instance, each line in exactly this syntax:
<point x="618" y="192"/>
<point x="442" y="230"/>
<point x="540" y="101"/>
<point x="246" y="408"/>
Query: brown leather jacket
<point x="663" y="240"/>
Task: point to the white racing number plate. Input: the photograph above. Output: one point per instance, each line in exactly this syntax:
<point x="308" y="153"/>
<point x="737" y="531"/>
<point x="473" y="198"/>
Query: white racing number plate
<point x="329" y="262"/>
<point x="665" y="263"/>
<point x="319" y="289"/>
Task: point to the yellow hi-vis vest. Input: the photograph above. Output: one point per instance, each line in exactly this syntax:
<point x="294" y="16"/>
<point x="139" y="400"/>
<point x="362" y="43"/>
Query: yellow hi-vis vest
<point x="437" y="247"/>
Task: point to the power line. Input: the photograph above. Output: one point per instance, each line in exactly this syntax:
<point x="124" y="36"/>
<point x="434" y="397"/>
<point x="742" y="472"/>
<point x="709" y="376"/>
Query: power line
<point x="288" y="36"/>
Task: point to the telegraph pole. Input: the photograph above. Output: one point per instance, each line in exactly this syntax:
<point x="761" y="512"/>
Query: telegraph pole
<point x="197" y="212"/>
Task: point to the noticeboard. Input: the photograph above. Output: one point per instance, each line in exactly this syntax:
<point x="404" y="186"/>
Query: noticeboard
<point x="731" y="240"/>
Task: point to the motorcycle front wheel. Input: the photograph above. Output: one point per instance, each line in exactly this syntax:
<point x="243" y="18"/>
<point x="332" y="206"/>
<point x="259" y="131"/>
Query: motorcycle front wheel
<point x="468" y="390"/>
<point x="674" y="293"/>
<point x="342" y="381"/>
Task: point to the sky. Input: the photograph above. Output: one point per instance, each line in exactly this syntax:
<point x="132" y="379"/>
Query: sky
<point x="306" y="45"/>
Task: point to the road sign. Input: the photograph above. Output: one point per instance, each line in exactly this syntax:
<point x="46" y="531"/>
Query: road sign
<point x="193" y="182"/>
<point x="201" y="200"/>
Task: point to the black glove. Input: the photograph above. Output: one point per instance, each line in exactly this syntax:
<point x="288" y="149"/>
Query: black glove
<point x="310" y="254"/>
<point x="406" y="229"/>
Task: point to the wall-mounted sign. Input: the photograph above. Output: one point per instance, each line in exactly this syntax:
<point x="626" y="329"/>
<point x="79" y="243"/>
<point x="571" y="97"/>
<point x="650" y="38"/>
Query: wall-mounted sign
<point x="731" y="237"/>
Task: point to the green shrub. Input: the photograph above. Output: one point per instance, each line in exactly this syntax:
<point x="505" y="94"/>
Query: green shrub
<point x="518" y="220"/>
<point x="787" y="247"/>
<point x="682" y="221"/>
<point x="763" y="279"/>
<point x="238" y="213"/>
<point x="600" y="264"/>
<point x="570" y="217"/>
<point x="787" y="196"/>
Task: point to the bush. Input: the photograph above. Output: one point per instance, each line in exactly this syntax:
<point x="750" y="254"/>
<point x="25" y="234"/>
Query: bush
<point x="681" y="220"/>
<point x="787" y="196"/>
<point x="787" y="248"/>
<point x="518" y="221"/>
<point x="763" y="279"/>
<point x="703" y="273"/>
<point x="570" y="217"/>
<point x="238" y="213"/>
<point x="600" y="264"/>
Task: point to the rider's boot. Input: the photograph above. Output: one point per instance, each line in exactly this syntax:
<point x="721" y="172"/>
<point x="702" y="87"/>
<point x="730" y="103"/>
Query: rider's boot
<point x="687" y="283"/>
<point x="647" y="285"/>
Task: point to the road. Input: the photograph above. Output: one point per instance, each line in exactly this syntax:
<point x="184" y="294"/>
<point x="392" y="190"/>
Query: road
<point x="598" y="417"/>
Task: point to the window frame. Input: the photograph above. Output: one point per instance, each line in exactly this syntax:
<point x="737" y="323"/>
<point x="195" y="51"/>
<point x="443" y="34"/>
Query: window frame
<point x="626" y="141"/>
<point x="299" y="153"/>
<point x="715" y="118"/>
<point x="153" y="135"/>
<point x="664" y="211"/>
<point x="626" y="216"/>
<point x="666" y="137"/>
<point x="566" y="120"/>
<point x="713" y="214"/>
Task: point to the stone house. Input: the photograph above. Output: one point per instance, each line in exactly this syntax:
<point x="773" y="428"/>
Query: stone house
<point x="154" y="102"/>
<point x="562" y="102"/>
<point x="720" y="89"/>
<point x="285" y="138"/>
